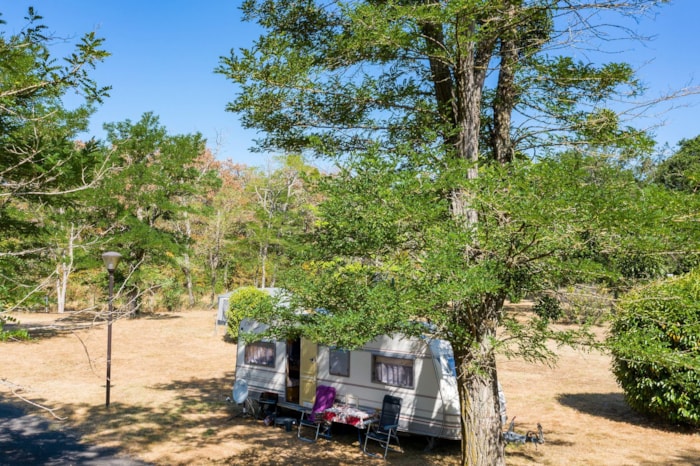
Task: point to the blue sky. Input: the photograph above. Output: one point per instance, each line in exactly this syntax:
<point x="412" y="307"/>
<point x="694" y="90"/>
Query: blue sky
<point x="164" y="54"/>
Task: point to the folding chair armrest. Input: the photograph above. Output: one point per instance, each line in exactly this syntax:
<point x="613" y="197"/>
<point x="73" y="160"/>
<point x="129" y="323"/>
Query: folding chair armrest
<point x="309" y="417"/>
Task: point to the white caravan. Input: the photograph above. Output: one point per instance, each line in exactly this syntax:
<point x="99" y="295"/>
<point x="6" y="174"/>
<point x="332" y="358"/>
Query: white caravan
<point x="418" y="370"/>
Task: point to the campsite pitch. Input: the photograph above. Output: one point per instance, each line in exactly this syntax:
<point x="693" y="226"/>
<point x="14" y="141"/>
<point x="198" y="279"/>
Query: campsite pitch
<point x="172" y="374"/>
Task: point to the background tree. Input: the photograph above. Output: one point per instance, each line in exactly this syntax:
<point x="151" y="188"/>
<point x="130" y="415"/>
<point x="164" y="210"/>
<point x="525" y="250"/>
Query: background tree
<point x="140" y="204"/>
<point x="192" y="224"/>
<point x="42" y="167"/>
<point x="224" y="231"/>
<point x="279" y="209"/>
<point x="681" y="171"/>
<point x="437" y="216"/>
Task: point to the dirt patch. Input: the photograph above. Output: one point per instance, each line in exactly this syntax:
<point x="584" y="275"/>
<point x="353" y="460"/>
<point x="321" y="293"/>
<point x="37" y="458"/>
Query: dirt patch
<point x="172" y="373"/>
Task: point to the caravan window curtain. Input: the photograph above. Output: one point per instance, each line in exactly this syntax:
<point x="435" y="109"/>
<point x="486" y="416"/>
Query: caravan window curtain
<point x="260" y="353"/>
<point x="392" y="371"/>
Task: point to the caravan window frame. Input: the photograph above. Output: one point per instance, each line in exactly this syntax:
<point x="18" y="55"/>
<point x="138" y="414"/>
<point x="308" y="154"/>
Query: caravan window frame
<point x="267" y="349"/>
<point x="397" y="377"/>
<point x="334" y="354"/>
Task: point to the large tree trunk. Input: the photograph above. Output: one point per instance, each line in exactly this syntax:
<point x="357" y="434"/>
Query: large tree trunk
<point x="482" y="440"/>
<point x="480" y="421"/>
<point x="481" y="426"/>
<point x="512" y="46"/>
<point x="506" y="95"/>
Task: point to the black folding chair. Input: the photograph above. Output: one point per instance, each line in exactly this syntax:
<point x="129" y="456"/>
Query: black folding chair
<point x="384" y="430"/>
<point x="268" y="405"/>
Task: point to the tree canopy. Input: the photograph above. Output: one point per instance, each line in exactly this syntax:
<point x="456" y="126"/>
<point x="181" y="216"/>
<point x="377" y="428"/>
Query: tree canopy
<point x="480" y="161"/>
<point x="42" y="164"/>
<point x="681" y="171"/>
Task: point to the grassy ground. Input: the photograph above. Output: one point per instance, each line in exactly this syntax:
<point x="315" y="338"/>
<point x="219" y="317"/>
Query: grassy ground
<point x="172" y="373"/>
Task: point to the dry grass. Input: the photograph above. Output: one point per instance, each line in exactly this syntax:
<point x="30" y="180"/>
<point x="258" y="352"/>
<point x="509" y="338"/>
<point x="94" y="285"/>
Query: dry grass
<point x="171" y="374"/>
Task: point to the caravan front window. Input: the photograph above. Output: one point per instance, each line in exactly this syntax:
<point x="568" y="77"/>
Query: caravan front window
<point x="339" y="362"/>
<point x="261" y="353"/>
<point x="392" y="371"/>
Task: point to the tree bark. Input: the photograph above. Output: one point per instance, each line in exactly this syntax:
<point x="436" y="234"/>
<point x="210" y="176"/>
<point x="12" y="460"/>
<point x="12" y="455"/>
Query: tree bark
<point x="471" y="69"/>
<point x="263" y="265"/>
<point x="480" y="408"/>
<point x="477" y="381"/>
<point x="478" y="395"/>
<point x="504" y="102"/>
<point x="63" y="271"/>
<point x="186" y="270"/>
<point x="215" y="254"/>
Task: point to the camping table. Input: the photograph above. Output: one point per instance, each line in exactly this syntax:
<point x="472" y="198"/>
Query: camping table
<point x="352" y="416"/>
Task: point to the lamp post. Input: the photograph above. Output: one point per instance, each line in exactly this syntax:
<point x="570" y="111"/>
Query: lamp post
<point x="111" y="260"/>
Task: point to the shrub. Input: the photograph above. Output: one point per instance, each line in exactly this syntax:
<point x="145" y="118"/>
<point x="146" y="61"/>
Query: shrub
<point x="655" y="343"/>
<point x="585" y="304"/>
<point x="244" y="302"/>
<point x="11" y="335"/>
<point x="171" y="296"/>
<point x="548" y="307"/>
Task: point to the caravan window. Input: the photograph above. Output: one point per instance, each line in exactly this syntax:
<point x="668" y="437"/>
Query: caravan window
<point x="261" y="353"/>
<point x="392" y="371"/>
<point x="339" y="362"/>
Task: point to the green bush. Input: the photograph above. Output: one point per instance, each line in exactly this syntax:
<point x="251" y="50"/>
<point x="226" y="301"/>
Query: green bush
<point x="585" y="303"/>
<point x="171" y="295"/>
<point x="11" y="335"/>
<point x="244" y="302"/>
<point x="548" y="307"/>
<point x="655" y="343"/>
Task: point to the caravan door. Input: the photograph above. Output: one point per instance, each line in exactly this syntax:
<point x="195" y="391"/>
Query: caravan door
<point x="308" y="369"/>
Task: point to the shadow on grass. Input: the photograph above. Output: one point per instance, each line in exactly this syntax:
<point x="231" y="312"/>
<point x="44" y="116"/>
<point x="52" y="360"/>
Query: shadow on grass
<point x="53" y="325"/>
<point x="32" y="439"/>
<point x="73" y="321"/>
<point x="524" y="453"/>
<point x="608" y="405"/>
<point x="200" y="419"/>
<point x="613" y="406"/>
<point x="685" y="458"/>
<point x="198" y="410"/>
<point x="157" y="316"/>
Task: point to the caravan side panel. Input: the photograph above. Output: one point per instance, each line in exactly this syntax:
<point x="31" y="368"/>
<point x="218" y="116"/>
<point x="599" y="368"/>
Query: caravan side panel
<point x="419" y="371"/>
<point x="403" y="367"/>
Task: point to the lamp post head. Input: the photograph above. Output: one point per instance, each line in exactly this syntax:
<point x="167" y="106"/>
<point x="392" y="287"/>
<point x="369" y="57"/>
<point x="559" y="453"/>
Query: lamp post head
<point x="111" y="260"/>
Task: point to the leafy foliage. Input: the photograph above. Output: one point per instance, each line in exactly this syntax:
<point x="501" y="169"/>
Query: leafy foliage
<point x="144" y="192"/>
<point x="155" y="180"/>
<point x="246" y="302"/>
<point x="681" y="172"/>
<point x="43" y="168"/>
<point x="15" y="334"/>
<point x="454" y="124"/>
<point x="386" y="252"/>
<point x="655" y="342"/>
<point x="548" y="307"/>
